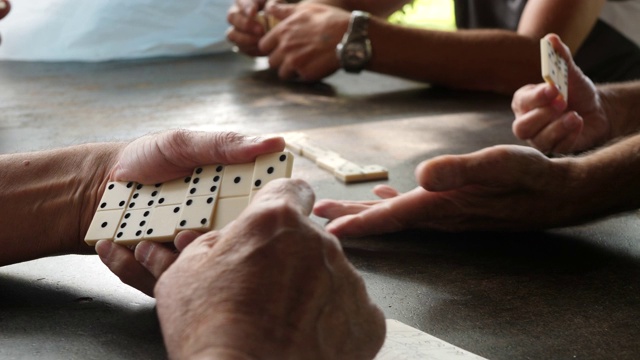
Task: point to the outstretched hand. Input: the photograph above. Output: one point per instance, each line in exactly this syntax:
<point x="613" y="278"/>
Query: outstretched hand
<point x="505" y="187"/>
<point x="550" y="124"/>
<point x="166" y="156"/>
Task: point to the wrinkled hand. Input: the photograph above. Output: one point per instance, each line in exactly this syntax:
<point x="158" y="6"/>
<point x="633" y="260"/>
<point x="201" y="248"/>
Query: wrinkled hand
<point x="551" y="125"/>
<point x="303" y="45"/>
<point x="166" y="156"/>
<point x="270" y="285"/>
<point x="504" y="187"/>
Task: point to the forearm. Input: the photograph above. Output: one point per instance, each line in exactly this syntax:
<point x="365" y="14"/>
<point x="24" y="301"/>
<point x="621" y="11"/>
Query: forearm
<point x="610" y="178"/>
<point x="489" y="60"/>
<point x="47" y="199"/>
<point x="621" y="105"/>
<point x="382" y="8"/>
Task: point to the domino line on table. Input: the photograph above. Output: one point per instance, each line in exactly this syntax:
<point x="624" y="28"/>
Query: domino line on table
<point x="343" y="169"/>
<point x="209" y="199"/>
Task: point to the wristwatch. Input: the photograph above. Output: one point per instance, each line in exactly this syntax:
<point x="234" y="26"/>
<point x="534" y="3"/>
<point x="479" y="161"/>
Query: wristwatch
<point x="354" y="51"/>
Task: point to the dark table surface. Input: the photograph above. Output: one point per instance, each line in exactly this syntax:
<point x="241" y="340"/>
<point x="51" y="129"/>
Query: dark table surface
<point x="569" y="293"/>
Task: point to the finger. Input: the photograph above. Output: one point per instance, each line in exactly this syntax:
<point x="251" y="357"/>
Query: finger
<point x="315" y="67"/>
<point x="531" y="97"/>
<point x="244" y="23"/>
<point x="122" y="262"/>
<point x="280" y="10"/>
<point x="293" y="191"/>
<point x="385" y="191"/>
<point x="498" y="166"/>
<point x="333" y="209"/>
<point x="288" y="69"/>
<point x="184" y="238"/>
<point x="249" y="7"/>
<point x="173" y="154"/>
<point x="154" y="257"/>
<point x="529" y="125"/>
<point x="560" y="136"/>
<point x="390" y="215"/>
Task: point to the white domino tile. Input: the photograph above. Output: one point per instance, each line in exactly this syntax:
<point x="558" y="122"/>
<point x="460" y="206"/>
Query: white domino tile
<point x="162" y="223"/>
<point x="132" y="226"/>
<point x="206" y="180"/>
<point x="271" y="166"/>
<point x="173" y="192"/>
<point x="103" y="226"/>
<point x="237" y="180"/>
<point x="554" y="67"/>
<point x="116" y="195"/>
<point x="144" y="196"/>
<point x="228" y="210"/>
<point x="197" y="212"/>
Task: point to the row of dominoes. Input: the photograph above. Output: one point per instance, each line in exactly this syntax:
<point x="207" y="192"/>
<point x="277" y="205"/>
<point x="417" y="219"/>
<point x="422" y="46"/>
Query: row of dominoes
<point x="209" y="199"/>
<point x="554" y="68"/>
<point x="343" y="169"/>
<point x="267" y="21"/>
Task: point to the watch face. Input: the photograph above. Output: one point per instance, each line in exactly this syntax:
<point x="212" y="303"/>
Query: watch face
<point x="354" y="53"/>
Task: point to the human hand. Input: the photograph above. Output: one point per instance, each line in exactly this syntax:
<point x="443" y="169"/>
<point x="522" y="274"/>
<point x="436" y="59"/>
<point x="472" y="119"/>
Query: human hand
<point x="303" y="45"/>
<point x="270" y="285"/>
<point x="505" y="187"/>
<point x="161" y="157"/>
<point x="551" y="125"/>
<point x="5" y="7"/>
<point x="245" y="32"/>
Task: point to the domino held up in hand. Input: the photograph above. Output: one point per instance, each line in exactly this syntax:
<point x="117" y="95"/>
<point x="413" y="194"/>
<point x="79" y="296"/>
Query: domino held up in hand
<point x="554" y="67"/>
<point x="209" y="199"/>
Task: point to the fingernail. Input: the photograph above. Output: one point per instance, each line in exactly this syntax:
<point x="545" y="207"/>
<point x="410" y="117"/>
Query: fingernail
<point x="143" y="250"/>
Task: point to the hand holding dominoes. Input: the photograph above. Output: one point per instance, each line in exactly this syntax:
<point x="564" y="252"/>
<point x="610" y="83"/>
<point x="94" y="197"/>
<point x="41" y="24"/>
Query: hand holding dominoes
<point x="209" y="199"/>
<point x="267" y="21"/>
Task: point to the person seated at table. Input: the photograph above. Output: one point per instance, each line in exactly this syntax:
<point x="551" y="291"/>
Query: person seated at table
<point x="272" y="283"/>
<point x="511" y="187"/>
<point x="496" y="47"/>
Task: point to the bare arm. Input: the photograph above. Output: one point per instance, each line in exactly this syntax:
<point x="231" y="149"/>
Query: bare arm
<point x="382" y="8"/>
<point x="47" y="198"/>
<point x="491" y="59"/>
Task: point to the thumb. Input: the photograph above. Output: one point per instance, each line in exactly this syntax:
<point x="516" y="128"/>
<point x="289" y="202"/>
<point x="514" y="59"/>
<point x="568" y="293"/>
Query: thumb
<point x="494" y="166"/>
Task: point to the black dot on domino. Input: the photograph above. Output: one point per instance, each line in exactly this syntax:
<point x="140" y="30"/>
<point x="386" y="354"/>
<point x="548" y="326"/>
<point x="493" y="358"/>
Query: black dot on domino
<point x="123" y="225"/>
<point x="121" y="203"/>
<point x="104" y="224"/>
<point x="119" y="235"/>
<point x="270" y="170"/>
<point x="283" y="157"/>
<point x="203" y="221"/>
<point x="257" y="183"/>
<point x="111" y="186"/>
<point x="183" y="222"/>
<point x="209" y="200"/>
<point x="213" y="188"/>
<point x="154" y="193"/>
<point x="129" y="184"/>
<point x="198" y="170"/>
<point x="216" y="178"/>
<point x="138" y="232"/>
<point x="104" y="204"/>
<point x="189" y="202"/>
<point x="135" y="196"/>
<point x="187" y="179"/>
<point x="139" y="187"/>
<point x="161" y="201"/>
<point x="176" y="209"/>
<point x="237" y="179"/>
<point x="192" y="191"/>
<point x="127" y="215"/>
<point x="196" y="180"/>
<point x="150" y="203"/>
<point x="219" y="168"/>
<point x="142" y="223"/>
<point x="149" y="231"/>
